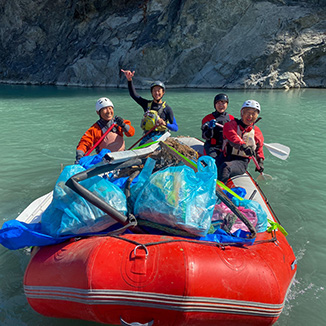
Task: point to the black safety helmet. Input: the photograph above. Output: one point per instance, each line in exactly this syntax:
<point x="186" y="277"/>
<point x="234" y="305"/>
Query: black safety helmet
<point x="158" y="83"/>
<point x="221" y="97"/>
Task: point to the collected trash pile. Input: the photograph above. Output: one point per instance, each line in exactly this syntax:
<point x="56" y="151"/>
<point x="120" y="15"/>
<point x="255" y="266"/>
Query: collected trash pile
<point x="171" y="191"/>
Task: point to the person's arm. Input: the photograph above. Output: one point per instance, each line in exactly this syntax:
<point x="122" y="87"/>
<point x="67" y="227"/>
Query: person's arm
<point x="206" y="131"/>
<point x="170" y="122"/>
<point x="259" y="139"/>
<point x="90" y="137"/>
<point x="132" y="91"/>
<point x="124" y="126"/>
<point x="230" y="133"/>
<point x="173" y="126"/>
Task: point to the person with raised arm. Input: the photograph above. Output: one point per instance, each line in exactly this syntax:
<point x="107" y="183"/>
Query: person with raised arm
<point x="158" y="115"/>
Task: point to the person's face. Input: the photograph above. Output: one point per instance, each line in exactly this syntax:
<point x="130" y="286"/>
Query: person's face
<point x="157" y="93"/>
<point x="107" y="113"/>
<point x="249" y="116"/>
<point x="221" y="106"/>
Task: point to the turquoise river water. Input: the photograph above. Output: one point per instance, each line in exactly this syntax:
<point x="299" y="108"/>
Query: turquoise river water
<point x="41" y="126"/>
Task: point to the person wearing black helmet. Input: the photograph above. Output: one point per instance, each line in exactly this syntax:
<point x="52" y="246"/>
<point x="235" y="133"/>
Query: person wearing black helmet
<point x="156" y="111"/>
<point x="211" y="131"/>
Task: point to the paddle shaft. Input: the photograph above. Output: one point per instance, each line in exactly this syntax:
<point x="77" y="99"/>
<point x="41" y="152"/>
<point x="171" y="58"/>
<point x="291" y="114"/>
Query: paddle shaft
<point x="99" y="141"/>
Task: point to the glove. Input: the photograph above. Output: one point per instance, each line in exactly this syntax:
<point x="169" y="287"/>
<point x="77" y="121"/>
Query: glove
<point x="261" y="166"/>
<point x="212" y="124"/>
<point x="120" y="122"/>
<point x="247" y="149"/>
<point x="79" y="155"/>
<point x="207" y="133"/>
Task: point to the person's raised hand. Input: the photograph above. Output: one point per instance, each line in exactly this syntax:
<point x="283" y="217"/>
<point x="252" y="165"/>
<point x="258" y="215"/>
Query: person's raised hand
<point x="119" y="121"/>
<point x="129" y="74"/>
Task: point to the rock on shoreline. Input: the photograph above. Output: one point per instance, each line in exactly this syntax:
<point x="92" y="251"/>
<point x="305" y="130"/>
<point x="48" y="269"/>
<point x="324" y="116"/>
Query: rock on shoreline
<point x="198" y="44"/>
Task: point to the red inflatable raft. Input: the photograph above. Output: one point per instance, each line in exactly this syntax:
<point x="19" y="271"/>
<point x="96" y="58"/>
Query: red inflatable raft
<point x="156" y="280"/>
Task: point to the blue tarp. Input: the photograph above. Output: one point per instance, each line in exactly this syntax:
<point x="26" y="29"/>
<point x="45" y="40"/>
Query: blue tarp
<point x="16" y="235"/>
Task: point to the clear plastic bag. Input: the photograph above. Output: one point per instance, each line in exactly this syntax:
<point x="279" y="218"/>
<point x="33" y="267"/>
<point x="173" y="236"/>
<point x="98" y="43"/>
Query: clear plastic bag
<point x="69" y="213"/>
<point x="179" y="197"/>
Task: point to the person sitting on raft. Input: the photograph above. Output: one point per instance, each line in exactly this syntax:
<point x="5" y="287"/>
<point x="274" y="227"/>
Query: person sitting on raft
<point x="242" y="140"/>
<point x="114" y="139"/>
<point x="156" y="111"/>
<point x="211" y="132"/>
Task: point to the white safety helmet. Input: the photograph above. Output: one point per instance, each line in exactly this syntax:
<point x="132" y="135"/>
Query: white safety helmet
<point x="103" y="102"/>
<point x="251" y="104"/>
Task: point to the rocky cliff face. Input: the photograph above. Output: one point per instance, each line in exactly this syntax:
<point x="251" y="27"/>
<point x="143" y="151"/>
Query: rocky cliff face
<point x="202" y="43"/>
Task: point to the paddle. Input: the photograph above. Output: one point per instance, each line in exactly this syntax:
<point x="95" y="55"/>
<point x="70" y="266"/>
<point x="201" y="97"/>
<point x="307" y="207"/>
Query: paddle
<point x="261" y="176"/>
<point x="99" y="141"/>
<point x="142" y="138"/>
<point x="278" y="150"/>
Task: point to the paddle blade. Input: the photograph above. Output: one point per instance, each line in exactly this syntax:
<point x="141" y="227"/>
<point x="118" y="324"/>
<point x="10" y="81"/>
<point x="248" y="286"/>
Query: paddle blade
<point x="264" y="177"/>
<point x="280" y="151"/>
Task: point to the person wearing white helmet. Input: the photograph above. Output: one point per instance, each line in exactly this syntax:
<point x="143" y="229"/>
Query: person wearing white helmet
<point x="114" y="139"/>
<point x="156" y="111"/>
<point x="242" y="140"/>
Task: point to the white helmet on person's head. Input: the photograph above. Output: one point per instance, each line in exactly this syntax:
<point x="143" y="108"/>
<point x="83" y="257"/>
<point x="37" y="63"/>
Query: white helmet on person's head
<point x="103" y="102"/>
<point x="251" y="104"/>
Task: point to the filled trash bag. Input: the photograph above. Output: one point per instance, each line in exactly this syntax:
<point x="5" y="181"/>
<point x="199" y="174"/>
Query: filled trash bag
<point x="229" y="221"/>
<point x="253" y="205"/>
<point x="179" y="197"/>
<point x="70" y="214"/>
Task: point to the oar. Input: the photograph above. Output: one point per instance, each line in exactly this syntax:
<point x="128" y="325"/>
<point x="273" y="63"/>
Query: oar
<point x="132" y="146"/>
<point x="262" y="176"/>
<point x="99" y="141"/>
<point x="278" y="150"/>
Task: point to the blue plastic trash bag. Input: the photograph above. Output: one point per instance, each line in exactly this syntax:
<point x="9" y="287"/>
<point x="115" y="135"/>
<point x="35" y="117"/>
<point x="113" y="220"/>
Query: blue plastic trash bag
<point x="238" y="190"/>
<point x="220" y="236"/>
<point x="179" y="197"/>
<point x="69" y="213"/>
<point x="143" y="177"/>
<point x="256" y="207"/>
<point x="89" y="161"/>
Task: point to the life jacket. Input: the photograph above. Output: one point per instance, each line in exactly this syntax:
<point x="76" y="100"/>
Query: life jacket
<point x="247" y="136"/>
<point x="112" y="141"/>
<point x="151" y="116"/>
<point x="217" y="139"/>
